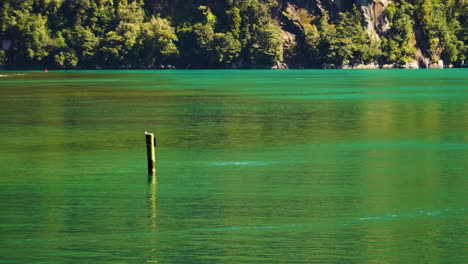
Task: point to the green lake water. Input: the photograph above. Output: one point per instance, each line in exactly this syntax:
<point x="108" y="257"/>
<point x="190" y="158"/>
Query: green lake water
<point x="306" y="166"/>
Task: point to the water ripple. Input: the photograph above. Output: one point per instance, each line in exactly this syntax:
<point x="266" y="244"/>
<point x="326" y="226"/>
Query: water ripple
<point x="242" y="163"/>
<point x="281" y="227"/>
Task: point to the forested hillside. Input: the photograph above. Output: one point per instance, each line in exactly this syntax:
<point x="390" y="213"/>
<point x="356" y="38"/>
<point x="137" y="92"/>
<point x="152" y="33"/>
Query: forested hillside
<point x="233" y="33"/>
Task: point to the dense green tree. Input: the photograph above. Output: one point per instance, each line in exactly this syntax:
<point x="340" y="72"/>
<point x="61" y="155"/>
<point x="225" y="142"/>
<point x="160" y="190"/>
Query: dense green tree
<point x="66" y="59"/>
<point x="234" y="21"/>
<point x="158" y="41"/>
<point x="440" y="24"/>
<point x="63" y="55"/>
<point x="102" y="17"/>
<point x="398" y="44"/>
<point x="82" y="41"/>
<point x="227" y="47"/>
<point x="462" y="34"/>
<point x="118" y="46"/>
<point x="197" y="41"/>
<point x="260" y="36"/>
<point x="312" y="42"/>
<point x="453" y="43"/>
<point x="328" y="42"/>
<point x="33" y="39"/>
<point x="2" y="57"/>
<point x="267" y="47"/>
<point x="7" y="20"/>
<point x="351" y="44"/>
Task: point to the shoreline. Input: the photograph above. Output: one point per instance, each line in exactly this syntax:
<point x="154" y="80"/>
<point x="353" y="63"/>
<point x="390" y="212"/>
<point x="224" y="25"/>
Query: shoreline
<point x="278" y="66"/>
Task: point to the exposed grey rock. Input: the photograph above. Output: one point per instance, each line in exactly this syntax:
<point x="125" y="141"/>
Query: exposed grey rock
<point x="422" y="60"/>
<point x="411" y="65"/>
<point x="280" y="65"/>
<point x="389" y="66"/>
<point x="361" y="66"/>
<point x="408" y="65"/>
<point x="373" y="11"/>
<point x="374" y="18"/>
<point x="438" y="65"/>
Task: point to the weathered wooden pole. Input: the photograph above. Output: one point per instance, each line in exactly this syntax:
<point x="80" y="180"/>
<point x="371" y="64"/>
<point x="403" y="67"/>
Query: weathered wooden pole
<point x="150" y="146"/>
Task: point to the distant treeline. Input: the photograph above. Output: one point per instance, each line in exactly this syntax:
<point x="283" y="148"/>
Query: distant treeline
<point x="228" y="33"/>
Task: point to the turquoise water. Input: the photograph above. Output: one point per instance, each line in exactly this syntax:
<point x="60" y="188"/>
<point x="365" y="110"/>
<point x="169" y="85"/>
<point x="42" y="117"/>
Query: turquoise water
<point x="307" y="166"/>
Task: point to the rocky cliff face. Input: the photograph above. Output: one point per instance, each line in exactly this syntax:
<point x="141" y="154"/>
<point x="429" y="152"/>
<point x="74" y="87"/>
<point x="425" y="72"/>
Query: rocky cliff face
<point x="373" y="11"/>
<point x="411" y="40"/>
<point x="375" y="20"/>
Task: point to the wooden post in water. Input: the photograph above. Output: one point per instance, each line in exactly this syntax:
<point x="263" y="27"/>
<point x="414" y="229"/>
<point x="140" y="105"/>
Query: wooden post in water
<point x="150" y="146"/>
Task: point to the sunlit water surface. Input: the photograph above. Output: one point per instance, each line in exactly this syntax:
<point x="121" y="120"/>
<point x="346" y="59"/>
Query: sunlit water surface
<point x="252" y="167"/>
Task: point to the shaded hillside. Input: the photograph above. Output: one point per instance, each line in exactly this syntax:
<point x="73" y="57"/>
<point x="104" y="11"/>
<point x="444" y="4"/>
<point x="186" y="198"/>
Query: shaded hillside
<point x="233" y="34"/>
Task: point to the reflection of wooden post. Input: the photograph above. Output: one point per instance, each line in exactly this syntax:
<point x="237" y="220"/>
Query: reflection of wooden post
<point x="153" y="221"/>
<point x="153" y="205"/>
<point x="150" y="145"/>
